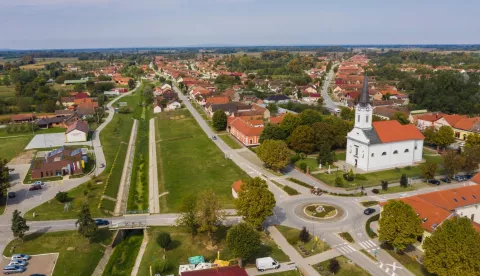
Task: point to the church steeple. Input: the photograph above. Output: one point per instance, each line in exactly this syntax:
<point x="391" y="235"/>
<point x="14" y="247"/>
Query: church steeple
<point x="363" y="110"/>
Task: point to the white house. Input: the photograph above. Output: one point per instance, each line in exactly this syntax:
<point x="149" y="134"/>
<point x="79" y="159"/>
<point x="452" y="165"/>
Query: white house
<point x="172" y="105"/>
<point x="77" y="132"/>
<point x="156" y="108"/>
<point x="381" y="145"/>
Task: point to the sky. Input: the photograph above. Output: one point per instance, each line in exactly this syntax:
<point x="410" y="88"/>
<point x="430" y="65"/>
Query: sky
<point x="74" y="24"/>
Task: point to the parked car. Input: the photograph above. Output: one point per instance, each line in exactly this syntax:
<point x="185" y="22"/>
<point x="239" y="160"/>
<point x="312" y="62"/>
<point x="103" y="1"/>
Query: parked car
<point x="36" y="274"/>
<point x="35" y="187"/>
<point x="18" y="262"/>
<point x="11" y="194"/>
<point x="214" y="137"/>
<point x="23" y="257"/>
<point x="266" y="263"/>
<point x="434" y="182"/>
<point x="458" y="178"/>
<point x="446" y="180"/>
<point x="369" y="211"/>
<point x="467" y="177"/>
<point x="41" y="183"/>
<point x="10" y="269"/>
<point x="100" y="222"/>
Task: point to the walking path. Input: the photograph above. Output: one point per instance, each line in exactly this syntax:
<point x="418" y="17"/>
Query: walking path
<point x="140" y="254"/>
<point x="154" y="202"/>
<point x="122" y="196"/>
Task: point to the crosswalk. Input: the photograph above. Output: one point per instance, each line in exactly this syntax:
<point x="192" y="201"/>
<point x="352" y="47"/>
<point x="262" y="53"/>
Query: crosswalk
<point x="369" y="245"/>
<point x="345" y="248"/>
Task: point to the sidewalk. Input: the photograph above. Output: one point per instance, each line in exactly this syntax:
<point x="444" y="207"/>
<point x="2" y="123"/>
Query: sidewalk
<point x="154" y="202"/>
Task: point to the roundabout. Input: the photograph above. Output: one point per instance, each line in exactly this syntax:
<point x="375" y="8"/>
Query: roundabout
<point x="320" y="211"/>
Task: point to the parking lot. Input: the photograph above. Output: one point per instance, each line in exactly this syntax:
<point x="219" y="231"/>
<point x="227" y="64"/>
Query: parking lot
<point x="51" y="140"/>
<point x="41" y="264"/>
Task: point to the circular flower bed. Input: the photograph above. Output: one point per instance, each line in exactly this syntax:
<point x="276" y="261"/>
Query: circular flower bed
<point x="320" y="210"/>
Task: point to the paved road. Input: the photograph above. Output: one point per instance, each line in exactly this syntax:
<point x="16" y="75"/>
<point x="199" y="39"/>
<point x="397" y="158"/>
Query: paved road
<point x="154" y="202"/>
<point x="327" y="101"/>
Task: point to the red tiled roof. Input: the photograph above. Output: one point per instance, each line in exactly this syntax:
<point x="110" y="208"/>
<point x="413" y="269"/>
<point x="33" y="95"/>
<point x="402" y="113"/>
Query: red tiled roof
<point x="78" y="125"/>
<point x="453" y="119"/>
<point x="219" y="271"/>
<point x="21" y="117"/>
<point x="466" y="123"/>
<point x="476" y="178"/>
<point x="393" y="131"/>
<point x="218" y="100"/>
<point x="278" y="119"/>
<point x="431" y="117"/>
<point x="434" y="215"/>
<point x="237" y="185"/>
<point x="246" y="128"/>
<point x="454" y="198"/>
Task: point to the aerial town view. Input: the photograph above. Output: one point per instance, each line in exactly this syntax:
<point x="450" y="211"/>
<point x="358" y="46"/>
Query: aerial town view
<point x="239" y="137"/>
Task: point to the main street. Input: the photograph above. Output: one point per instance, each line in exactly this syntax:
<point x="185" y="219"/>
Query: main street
<point x="327" y="101"/>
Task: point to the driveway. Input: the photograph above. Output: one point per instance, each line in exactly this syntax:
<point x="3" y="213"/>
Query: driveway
<point x="51" y="140"/>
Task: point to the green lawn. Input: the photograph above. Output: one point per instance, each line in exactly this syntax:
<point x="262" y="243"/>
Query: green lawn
<point x="7" y="91"/>
<point x="370" y="179"/>
<point x="11" y="147"/>
<point x="124" y="255"/>
<point x="189" y="162"/>
<point x="310" y="162"/>
<point x="341" y="155"/>
<point x="291" y="234"/>
<point x="230" y="141"/>
<point x="415" y="267"/>
<point x="347" y="268"/>
<point x="286" y="273"/>
<point x="184" y="246"/>
<point x="80" y="260"/>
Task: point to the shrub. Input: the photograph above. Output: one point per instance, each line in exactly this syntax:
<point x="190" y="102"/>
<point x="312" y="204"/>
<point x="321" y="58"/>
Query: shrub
<point x="301" y="183"/>
<point x="164" y="240"/>
<point x="124" y="109"/>
<point x="295" y="158"/>
<point x="303" y="166"/>
<point x="397" y="169"/>
<point x="161" y="266"/>
<point x="375" y="191"/>
<point x="62" y="197"/>
<point x="293" y="240"/>
<point x="408" y="168"/>
<point x="370" y="233"/>
<point x="334" y="266"/>
<point x="290" y="190"/>
<point x="404" y="181"/>
<point x="338" y="181"/>
<point x="304" y="235"/>
<point x="384" y="185"/>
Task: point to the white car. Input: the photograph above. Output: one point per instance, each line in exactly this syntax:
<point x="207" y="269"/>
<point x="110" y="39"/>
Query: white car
<point x="36" y="183"/>
<point x="266" y="263"/>
<point x="18" y="262"/>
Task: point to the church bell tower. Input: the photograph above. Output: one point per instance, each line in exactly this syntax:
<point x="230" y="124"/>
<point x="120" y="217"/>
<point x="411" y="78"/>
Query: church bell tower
<point x="363" y="110"/>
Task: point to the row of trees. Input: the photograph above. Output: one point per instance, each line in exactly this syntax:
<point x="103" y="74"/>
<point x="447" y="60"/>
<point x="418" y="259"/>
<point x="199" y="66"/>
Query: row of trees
<point x="452" y="249"/>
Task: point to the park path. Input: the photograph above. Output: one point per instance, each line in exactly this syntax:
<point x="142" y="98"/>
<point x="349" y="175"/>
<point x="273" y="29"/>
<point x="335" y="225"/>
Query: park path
<point x="140" y="253"/>
<point x="154" y="202"/>
<point x="122" y="196"/>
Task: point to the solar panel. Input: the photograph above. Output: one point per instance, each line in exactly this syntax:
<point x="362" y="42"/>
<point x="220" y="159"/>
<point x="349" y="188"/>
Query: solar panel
<point x="75" y="152"/>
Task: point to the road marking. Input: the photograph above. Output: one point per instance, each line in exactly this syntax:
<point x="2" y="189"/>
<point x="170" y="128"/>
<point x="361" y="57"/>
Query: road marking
<point x="371" y="243"/>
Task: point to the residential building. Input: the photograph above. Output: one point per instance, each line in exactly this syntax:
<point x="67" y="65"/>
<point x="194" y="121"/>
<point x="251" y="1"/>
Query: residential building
<point x="381" y="145"/>
<point x="245" y="129"/>
<point x="277" y="99"/>
<point x="18" y="118"/>
<point x="77" y="132"/>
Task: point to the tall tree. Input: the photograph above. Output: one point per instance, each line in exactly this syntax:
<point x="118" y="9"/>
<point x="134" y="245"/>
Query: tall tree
<point x="403" y="180"/>
<point x="444" y="136"/>
<point x="399" y="224"/>
<point x="208" y="214"/>
<point x="304" y="235"/>
<point x="289" y="123"/>
<point x="219" y="120"/>
<point x="453" y="249"/>
<point x="188" y="216"/>
<point x="428" y="169"/>
<point x="347" y="114"/>
<point x="272" y="132"/>
<point x="452" y="162"/>
<point x="255" y="202"/>
<point x="302" y="139"/>
<point x="4" y="177"/>
<point x="429" y="134"/>
<point x="19" y="225"/>
<point x="131" y="84"/>
<point x="164" y="240"/>
<point x="401" y="118"/>
<point x="274" y="153"/>
<point x="309" y="117"/>
<point x="243" y="241"/>
<point x="473" y="140"/>
<point x="85" y="223"/>
<point x="471" y="155"/>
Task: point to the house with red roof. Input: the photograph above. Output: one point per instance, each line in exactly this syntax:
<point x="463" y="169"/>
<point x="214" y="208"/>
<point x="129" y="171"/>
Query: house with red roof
<point x="246" y="129"/>
<point x="373" y="146"/>
<point x="77" y="132"/>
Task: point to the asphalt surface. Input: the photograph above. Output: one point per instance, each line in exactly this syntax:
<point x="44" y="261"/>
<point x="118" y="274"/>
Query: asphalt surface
<point x="327" y="101"/>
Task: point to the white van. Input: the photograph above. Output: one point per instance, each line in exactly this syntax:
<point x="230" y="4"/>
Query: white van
<point x="337" y="110"/>
<point x="266" y="263"/>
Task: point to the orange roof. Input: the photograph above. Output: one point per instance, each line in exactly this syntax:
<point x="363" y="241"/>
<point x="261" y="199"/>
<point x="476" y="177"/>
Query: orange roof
<point x="237" y="185"/>
<point x="218" y="100"/>
<point x="393" y="131"/>
<point x="246" y="128"/>
<point x="431" y="117"/>
<point x="466" y="123"/>
<point x="430" y="215"/>
<point x="454" y="198"/>
<point x="453" y="119"/>
<point x="476" y="178"/>
<point x="278" y="119"/>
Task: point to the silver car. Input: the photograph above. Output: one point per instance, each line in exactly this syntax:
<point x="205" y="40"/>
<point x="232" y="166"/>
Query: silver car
<point x="18" y="262"/>
<point x="23" y="257"/>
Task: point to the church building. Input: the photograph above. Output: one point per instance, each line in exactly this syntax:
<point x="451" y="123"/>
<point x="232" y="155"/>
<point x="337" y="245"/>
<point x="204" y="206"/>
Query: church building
<point x="373" y="146"/>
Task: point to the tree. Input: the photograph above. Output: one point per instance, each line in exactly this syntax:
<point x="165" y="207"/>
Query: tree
<point x="62" y="197"/>
<point x="219" y="120"/>
<point x="255" y="202"/>
<point x="399" y="224"/>
<point x="473" y="140"/>
<point x="79" y="87"/>
<point x="85" y="223"/>
<point x="444" y="136"/>
<point x="428" y="169"/>
<point x="384" y="185"/>
<point x="131" y="84"/>
<point x="309" y="117"/>
<point x="304" y="235"/>
<point x="401" y="118"/>
<point x="302" y="139"/>
<point x="274" y="153"/>
<point x="289" y="123"/>
<point x="333" y="266"/>
<point x="4" y="177"/>
<point x="188" y="217"/>
<point x="347" y="114"/>
<point x="208" y="214"/>
<point x="403" y="180"/>
<point x="164" y="240"/>
<point x="471" y="157"/>
<point x="272" y="132"/>
<point x="273" y="108"/>
<point x="19" y="225"/>
<point x="325" y="153"/>
<point x="452" y="162"/>
<point x="243" y="241"/>
<point x="338" y="181"/>
<point x="429" y="134"/>
<point x="453" y="249"/>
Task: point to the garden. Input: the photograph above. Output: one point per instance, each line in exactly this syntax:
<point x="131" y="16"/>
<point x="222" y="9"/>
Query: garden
<point x="340" y="266"/>
<point x="305" y="243"/>
<point x="320" y="211"/>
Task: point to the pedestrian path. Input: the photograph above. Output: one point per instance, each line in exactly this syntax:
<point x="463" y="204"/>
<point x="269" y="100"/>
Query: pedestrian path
<point x="369" y="245"/>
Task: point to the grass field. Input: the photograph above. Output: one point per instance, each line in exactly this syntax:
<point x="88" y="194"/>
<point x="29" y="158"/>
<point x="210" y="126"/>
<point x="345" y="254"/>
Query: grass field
<point x="184" y="246"/>
<point x="80" y="261"/>
<point x="310" y="162"/>
<point x="189" y="162"/>
<point x="291" y="234"/>
<point x="7" y="91"/>
<point x="230" y="141"/>
<point x="123" y="258"/>
<point x="286" y="273"/>
<point x="347" y="268"/>
<point x="10" y="147"/>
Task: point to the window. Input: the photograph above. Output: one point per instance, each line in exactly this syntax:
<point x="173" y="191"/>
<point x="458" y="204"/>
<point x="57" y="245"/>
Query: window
<point x="356" y="151"/>
<point x="366" y="118"/>
<point x="464" y="198"/>
<point x="358" y="118"/>
<point x="415" y="147"/>
<point x="472" y="217"/>
<point x="406" y="150"/>
<point x="474" y="196"/>
<point x="455" y="200"/>
<point x="384" y="153"/>
<point x="395" y="152"/>
<point x="373" y="154"/>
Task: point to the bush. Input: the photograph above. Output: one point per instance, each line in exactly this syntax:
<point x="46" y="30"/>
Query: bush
<point x="290" y="190"/>
<point x="397" y="169"/>
<point x="404" y="181"/>
<point x="384" y="185"/>
<point x="408" y="168"/>
<point x="293" y="240"/>
<point x="161" y="266"/>
<point x="334" y="266"/>
<point x="303" y="166"/>
<point x="62" y="197"/>
<point x="304" y="235"/>
<point x="375" y="191"/>
<point x="124" y="110"/>
<point x="338" y="181"/>
<point x="164" y="240"/>
<point x="295" y="158"/>
<point x="301" y="183"/>
<point x="370" y="233"/>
